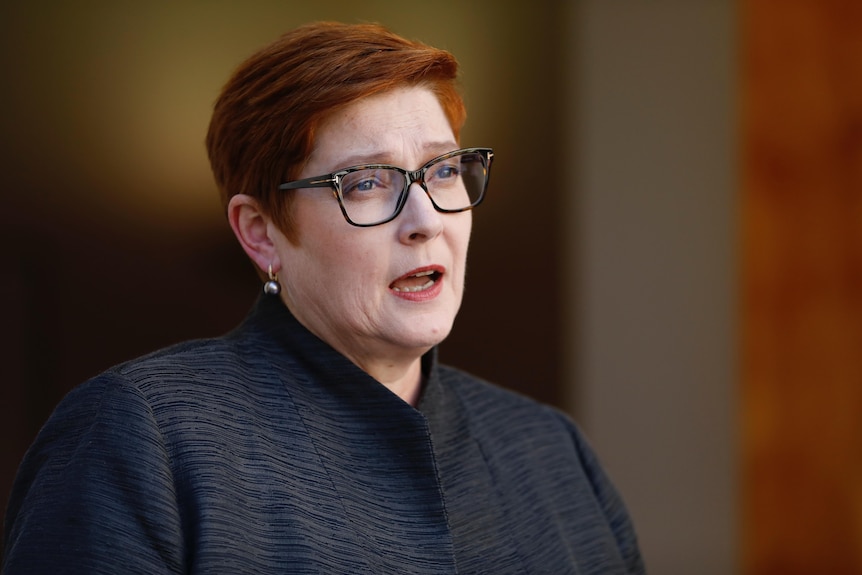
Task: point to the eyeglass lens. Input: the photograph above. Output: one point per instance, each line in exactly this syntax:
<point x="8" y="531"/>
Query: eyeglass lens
<point x="371" y="195"/>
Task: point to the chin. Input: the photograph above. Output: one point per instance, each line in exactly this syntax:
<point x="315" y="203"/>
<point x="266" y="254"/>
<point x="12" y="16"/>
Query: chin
<point x="425" y="334"/>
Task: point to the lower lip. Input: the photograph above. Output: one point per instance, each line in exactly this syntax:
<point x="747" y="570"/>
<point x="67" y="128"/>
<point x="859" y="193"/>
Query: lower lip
<point x="420" y="296"/>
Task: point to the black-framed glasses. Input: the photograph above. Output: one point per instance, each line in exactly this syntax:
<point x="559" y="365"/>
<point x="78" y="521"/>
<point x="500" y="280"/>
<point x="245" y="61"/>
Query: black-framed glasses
<point x="373" y="194"/>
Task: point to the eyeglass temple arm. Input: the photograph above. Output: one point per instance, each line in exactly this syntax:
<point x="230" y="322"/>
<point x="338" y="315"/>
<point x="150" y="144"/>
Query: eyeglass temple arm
<point x="317" y="182"/>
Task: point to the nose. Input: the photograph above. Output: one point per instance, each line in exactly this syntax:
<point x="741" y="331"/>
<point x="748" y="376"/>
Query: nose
<point x="419" y="221"/>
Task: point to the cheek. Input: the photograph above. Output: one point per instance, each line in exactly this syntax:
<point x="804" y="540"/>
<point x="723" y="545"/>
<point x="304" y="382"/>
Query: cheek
<point x="346" y="263"/>
<point x="462" y="237"/>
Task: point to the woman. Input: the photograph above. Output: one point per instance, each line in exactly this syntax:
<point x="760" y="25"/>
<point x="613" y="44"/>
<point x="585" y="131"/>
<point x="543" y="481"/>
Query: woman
<point x="322" y="436"/>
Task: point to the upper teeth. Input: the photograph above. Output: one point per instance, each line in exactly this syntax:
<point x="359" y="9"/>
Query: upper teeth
<point x="424" y="286"/>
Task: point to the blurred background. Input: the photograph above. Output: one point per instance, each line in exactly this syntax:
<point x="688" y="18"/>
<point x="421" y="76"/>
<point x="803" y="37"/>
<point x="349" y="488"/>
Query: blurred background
<point x="671" y="249"/>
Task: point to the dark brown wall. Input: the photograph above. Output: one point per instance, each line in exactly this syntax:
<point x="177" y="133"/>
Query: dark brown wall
<point x="104" y="259"/>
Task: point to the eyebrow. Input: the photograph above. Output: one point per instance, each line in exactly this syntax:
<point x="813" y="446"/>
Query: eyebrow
<point x="434" y="149"/>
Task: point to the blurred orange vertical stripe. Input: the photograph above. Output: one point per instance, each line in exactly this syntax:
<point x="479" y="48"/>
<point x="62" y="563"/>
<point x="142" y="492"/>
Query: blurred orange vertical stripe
<point x="801" y="201"/>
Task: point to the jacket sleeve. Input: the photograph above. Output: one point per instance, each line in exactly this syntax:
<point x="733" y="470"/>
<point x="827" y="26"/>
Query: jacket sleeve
<point x="95" y="493"/>
<point x="612" y="504"/>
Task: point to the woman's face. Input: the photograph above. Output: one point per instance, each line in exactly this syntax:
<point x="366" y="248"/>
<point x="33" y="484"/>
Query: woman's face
<point x="354" y="287"/>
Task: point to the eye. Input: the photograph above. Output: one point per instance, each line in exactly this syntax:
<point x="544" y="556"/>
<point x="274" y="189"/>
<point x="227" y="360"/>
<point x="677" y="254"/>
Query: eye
<point x="367" y="184"/>
<point x="447" y="171"/>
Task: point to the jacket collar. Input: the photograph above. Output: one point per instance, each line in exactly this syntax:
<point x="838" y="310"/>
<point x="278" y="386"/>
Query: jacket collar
<point x="271" y="329"/>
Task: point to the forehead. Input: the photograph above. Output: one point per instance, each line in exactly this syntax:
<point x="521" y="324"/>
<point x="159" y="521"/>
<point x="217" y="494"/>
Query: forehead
<point x="401" y="125"/>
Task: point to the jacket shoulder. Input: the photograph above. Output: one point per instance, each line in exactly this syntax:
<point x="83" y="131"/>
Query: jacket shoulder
<point x="492" y="403"/>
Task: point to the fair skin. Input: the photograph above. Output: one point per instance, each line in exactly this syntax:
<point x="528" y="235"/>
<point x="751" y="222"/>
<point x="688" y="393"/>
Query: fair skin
<point x="347" y="284"/>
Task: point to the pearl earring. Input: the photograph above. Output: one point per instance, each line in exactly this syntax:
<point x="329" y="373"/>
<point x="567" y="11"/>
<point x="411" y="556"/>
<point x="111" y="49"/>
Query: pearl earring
<point x="271" y="287"/>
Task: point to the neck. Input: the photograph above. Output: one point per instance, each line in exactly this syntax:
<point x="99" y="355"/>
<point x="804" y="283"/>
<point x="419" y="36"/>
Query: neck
<point x="399" y="370"/>
<point x="405" y="381"/>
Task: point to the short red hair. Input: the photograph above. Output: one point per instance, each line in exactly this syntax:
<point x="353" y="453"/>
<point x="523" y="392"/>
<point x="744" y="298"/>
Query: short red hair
<point x="263" y="125"/>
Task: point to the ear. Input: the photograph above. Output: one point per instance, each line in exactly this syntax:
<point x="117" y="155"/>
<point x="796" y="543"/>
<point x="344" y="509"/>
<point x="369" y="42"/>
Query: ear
<point x="253" y="229"/>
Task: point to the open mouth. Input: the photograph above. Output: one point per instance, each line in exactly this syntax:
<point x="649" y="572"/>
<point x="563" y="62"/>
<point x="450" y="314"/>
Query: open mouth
<point x="416" y="282"/>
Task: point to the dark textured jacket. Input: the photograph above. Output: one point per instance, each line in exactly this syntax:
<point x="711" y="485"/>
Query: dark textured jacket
<point x="265" y="451"/>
